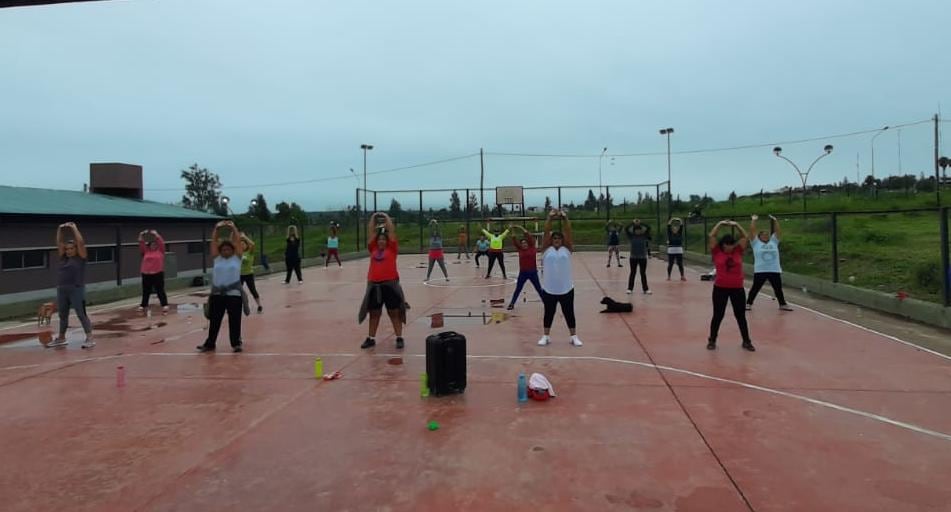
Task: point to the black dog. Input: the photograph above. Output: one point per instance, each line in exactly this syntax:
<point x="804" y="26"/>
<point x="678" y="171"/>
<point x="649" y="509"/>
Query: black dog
<point x="613" y="306"/>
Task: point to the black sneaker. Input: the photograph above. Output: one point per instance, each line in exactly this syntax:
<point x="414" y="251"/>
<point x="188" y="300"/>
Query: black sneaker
<point x="260" y="309"/>
<point x="368" y="343"/>
<point x="205" y="348"/>
<point x="237" y="348"/>
<point x="748" y="345"/>
<point x="399" y="343"/>
<point x="510" y="307"/>
<point x="711" y="345"/>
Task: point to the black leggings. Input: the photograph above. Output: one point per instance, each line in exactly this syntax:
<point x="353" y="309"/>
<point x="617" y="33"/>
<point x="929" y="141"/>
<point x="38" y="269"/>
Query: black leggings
<point x="154" y="282"/>
<point x="218" y="305"/>
<point x="292" y="266"/>
<point x="775" y="280"/>
<point x="635" y="263"/>
<point x="480" y="254"/>
<point x="567" y="302"/>
<point x="679" y="260"/>
<point x="493" y="257"/>
<point x="737" y="298"/>
<point x="248" y="279"/>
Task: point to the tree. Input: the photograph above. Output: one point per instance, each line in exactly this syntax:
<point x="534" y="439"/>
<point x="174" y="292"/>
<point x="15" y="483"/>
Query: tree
<point x="547" y="203"/>
<point x="591" y="202"/>
<point x="290" y="213"/>
<point x="395" y="208"/>
<point x="473" y="202"/>
<point x="454" y="205"/>
<point x="259" y="210"/>
<point x="202" y="190"/>
<point x="282" y="212"/>
<point x="640" y="198"/>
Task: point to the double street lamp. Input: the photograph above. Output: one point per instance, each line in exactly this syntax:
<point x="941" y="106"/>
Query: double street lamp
<point x="804" y="176"/>
<point x="365" y="148"/>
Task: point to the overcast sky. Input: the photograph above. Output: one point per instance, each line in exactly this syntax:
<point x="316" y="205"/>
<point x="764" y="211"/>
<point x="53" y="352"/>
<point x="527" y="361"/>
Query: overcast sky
<point x="280" y="91"/>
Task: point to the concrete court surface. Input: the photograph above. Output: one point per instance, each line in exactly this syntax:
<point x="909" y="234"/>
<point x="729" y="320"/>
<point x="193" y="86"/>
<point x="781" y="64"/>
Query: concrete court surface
<point x="825" y="416"/>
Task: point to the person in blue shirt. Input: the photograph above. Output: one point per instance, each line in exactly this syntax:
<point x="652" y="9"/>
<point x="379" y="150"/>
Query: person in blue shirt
<point x="766" y="265"/>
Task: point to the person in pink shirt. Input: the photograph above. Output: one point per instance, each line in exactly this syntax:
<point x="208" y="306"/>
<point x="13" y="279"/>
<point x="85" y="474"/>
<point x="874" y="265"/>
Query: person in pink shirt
<point x="152" y="247"/>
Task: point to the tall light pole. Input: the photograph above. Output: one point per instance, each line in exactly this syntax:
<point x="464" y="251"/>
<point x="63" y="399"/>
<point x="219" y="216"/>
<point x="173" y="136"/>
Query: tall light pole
<point x="804" y="176"/>
<point x="873" y="147"/>
<point x="365" y="148"/>
<point x="600" y="188"/>
<point x="667" y="132"/>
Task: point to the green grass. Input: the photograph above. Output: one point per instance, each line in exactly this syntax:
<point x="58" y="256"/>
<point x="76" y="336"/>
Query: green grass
<point x="887" y="252"/>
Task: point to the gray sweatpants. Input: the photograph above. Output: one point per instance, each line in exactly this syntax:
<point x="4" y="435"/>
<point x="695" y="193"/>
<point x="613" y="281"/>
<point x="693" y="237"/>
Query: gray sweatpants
<point x="75" y="298"/>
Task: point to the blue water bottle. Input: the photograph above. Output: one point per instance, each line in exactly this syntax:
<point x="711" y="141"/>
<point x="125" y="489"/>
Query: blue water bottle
<point x="522" y="388"/>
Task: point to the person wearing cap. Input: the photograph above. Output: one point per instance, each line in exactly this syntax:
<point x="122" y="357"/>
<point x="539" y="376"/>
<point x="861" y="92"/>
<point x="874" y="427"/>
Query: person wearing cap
<point x="728" y="284"/>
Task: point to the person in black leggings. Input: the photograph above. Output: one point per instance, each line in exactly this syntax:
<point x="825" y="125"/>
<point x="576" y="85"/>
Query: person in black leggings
<point x="766" y="265"/>
<point x="728" y="287"/>
<point x="675" y="246"/>
<point x="640" y="237"/>
<point x="292" y="255"/>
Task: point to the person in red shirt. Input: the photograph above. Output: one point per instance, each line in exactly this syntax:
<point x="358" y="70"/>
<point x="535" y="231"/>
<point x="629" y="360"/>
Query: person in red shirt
<point x="527" y="267"/>
<point x="383" y="281"/>
<point x="728" y="285"/>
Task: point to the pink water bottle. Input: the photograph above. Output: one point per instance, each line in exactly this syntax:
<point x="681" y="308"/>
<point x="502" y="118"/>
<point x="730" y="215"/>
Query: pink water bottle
<point x="120" y="376"/>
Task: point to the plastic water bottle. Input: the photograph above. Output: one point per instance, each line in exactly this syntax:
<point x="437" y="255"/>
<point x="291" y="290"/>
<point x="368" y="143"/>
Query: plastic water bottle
<point x="522" y="388"/>
<point x="318" y="368"/>
<point x="423" y="385"/>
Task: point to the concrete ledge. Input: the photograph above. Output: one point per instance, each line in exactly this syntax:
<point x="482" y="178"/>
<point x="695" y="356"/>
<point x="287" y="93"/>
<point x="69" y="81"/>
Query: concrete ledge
<point x="921" y="311"/>
<point x="27" y="308"/>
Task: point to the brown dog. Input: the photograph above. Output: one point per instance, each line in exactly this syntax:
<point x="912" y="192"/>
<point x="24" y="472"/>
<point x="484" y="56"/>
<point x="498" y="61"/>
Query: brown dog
<point x="44" y="314"/>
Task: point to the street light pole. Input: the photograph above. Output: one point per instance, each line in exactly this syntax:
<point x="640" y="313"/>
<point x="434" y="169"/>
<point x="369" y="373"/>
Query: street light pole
<point x="873" y="147"/>
<point x="803" y="176"/>
<point x="365" y="148"/>
<point x="667" y="132"/>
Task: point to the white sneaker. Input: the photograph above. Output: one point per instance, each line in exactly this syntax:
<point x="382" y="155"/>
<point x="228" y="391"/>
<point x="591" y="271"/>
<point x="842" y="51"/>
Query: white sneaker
<point x="300" y="283"/>
<point x="89" y="343"/>
<point x="544" y="341"/>
<point x="648" y="292"/>
<point x="57" y="343"/>
<point x="629" y="292"/>
<point x="576" y="341"/>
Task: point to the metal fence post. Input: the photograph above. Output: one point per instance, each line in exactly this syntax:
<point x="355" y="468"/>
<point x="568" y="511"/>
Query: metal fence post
<point x="657" y="205"/>
<point x="421" y="221"/>
<point x="375" y="207"/>
<point x="945" y="265"/>
<point x="559" y="199"/>
<point x="261" y="237"/>
<point x="468" y="217"/>
<point x="607" y="204"/>
<point x="302" y="229"/>
<point x="835" y="247"/>
<point x="358" y="220"/>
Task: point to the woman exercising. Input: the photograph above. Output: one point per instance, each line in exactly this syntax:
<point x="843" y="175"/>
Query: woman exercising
<point x="152" y="268"/>
<point x="71" y="284"/>
<point x="728" y="284"/>
<point x="436" y="253"/>
<point x="333" y="245"/>
<point x="675" y="246"/>
<point x="482" y="249"/>
<point x="640" y="237"/>
<point x="766" y="263"/>
<point x="527" y="266"/>
<point x="225" y="288"/>
<point x="496" y="242"/>
<point x="292" y="255"/>
<point x="462" y="243"/>
<point x="247" y="268"/>
<point x="383" y="281"/>
<point x="557" y="284"/>
<point x="613" y="230"/>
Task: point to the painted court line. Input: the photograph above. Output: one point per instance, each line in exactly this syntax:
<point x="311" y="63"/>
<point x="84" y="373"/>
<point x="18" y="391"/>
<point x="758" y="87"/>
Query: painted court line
<point x="746" y="385"/>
